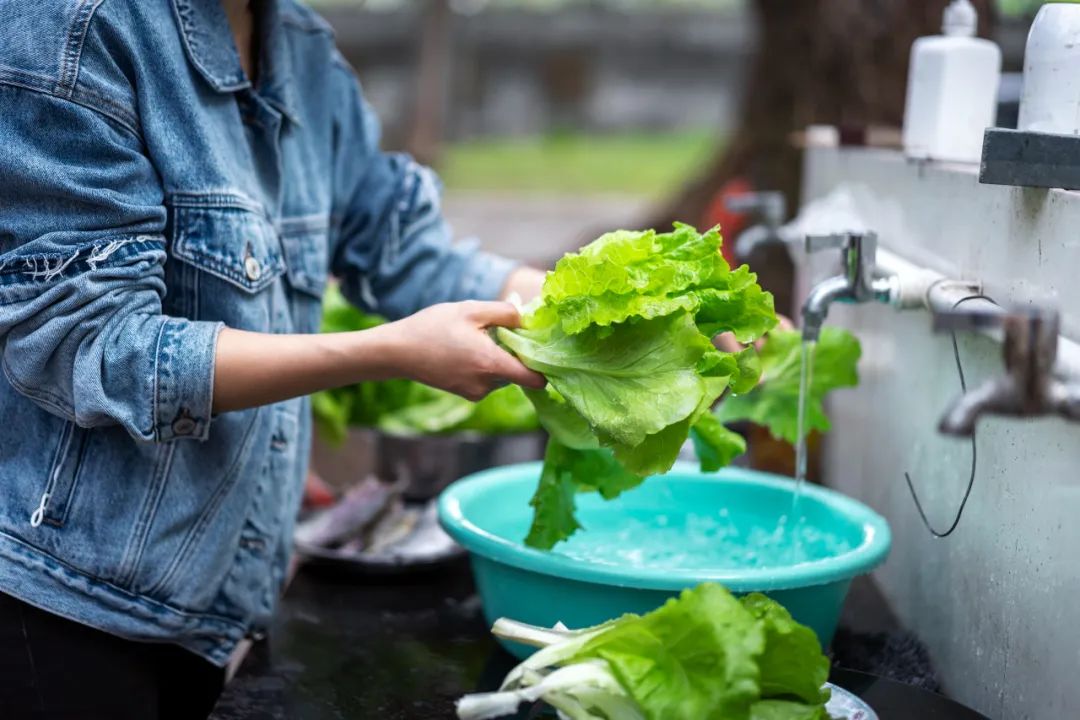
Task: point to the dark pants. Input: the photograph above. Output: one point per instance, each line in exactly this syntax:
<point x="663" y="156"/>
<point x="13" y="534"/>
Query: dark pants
<point x="52" y="668"/>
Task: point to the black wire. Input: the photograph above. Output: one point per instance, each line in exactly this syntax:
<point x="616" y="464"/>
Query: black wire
<point x="974" y="449"/>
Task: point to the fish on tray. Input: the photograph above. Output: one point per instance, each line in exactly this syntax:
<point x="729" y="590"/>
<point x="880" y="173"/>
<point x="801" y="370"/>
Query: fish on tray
<point x="373" y="522"/>
<point x="349" y="517"/>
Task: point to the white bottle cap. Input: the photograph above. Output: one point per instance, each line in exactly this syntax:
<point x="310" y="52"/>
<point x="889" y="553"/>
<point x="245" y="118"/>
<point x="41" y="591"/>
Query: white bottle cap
<point x="961" y="19"/>
<point x="822" y="136"/>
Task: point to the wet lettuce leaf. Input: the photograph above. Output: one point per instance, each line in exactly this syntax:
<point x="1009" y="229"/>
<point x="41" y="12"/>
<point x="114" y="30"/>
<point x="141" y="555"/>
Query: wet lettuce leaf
<point x="568" y="471"/>
<point x="792" y="664"/>
<point x="694" y="657"/>
<point x="787" y="710"/>
<point x="715" y="445"/>
<point x="623" y="331"/>
<point x="774" y="403"/>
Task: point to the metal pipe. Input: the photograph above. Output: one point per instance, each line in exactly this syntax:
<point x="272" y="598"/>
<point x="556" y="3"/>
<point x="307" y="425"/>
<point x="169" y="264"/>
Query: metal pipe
<point x="919" y="287"/>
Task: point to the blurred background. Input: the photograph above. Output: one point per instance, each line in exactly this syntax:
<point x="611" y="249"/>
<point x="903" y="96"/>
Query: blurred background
<point x="551" y="121"/>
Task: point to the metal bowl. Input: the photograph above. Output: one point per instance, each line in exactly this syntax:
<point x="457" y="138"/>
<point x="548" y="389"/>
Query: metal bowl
<point x="424" y="464"/>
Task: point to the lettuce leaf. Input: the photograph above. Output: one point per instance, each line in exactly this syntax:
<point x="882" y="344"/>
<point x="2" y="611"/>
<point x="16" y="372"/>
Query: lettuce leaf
<point x="792" y="665"/>
<point x="787" y="710"/>
<point x="774" y="402"/>
<point x="623" y="332"/>
<point x="605" y="378"/>
<point x="694" y="657"/>
<point x="566" y="472"/>
<point x="437" y="411"/>
<point x="714" y="444"/>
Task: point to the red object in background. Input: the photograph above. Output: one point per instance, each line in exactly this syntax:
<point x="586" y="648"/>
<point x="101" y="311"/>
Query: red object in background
<point x="317" y="493"/>
<point x="731" y="223"/>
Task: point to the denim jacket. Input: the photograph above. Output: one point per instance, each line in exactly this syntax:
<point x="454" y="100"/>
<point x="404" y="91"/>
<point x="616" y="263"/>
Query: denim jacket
<point x="149" y="196"/>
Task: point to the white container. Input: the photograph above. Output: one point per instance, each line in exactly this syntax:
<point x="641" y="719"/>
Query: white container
<point x="1050" y="102"/>
<point x="952" y="90"/>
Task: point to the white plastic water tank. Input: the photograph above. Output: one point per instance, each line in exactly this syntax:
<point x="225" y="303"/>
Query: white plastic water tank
<point x="1050" y="102"/>
<point x="952" y="90"/>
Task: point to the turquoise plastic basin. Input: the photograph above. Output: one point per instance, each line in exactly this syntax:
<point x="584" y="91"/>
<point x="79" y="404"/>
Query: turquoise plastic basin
<point x="488" y="513"/>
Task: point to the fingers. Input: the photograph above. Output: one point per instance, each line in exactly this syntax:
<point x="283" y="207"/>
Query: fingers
<point x="508" y="367"/>
<point x="783" y="323"/>
<point x="727" y="343"/>
<point x="488" y="314"/>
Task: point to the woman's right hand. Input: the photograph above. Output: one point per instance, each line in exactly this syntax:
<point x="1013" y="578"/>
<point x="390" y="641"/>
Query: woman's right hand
<point x="448" y="346"/>
<point x="445" y="346"/>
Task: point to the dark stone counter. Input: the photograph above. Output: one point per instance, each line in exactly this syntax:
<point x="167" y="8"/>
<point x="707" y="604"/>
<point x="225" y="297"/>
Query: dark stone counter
<point x="406" y="647"/>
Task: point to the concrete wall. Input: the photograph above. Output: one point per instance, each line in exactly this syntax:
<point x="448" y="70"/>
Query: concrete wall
<point x="997" y="603"/>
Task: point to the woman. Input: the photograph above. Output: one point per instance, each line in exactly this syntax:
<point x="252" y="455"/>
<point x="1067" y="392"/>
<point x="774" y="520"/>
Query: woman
<point x="177" y="179"/>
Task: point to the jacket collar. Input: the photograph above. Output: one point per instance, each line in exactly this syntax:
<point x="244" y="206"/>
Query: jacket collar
<point x="208" y="43"/>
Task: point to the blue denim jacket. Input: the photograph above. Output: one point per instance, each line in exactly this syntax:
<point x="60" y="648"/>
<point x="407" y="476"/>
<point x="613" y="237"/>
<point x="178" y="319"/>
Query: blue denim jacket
<point x="149" y="196"/>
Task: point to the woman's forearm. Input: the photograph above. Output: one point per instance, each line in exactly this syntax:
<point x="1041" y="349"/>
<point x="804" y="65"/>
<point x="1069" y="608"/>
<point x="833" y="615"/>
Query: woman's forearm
<point x="446" y="346"/>
<point x="259" y="368"/>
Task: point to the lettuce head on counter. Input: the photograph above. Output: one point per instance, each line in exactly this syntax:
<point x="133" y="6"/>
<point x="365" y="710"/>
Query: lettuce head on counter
<point x="705" y="654"/>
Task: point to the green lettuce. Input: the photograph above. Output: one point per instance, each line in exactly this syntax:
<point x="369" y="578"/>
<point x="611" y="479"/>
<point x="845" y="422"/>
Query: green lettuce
<point x="702" y="655"/>
<point x="568" y="471"/>
<point x="715" y="445"/>
<point x="792" y="664"/>
<point x="774" y="403"/>
<point x="623" y="332"/>
<point x="787" y="710"/>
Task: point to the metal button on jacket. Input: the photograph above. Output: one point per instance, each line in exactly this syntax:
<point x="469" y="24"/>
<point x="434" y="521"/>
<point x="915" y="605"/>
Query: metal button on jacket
<point x="183" y="426"/>
<point x="252" y="268"/>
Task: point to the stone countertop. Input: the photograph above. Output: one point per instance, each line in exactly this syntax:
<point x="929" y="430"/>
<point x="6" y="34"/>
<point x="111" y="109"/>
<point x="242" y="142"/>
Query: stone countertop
<point x="356" y="647"/>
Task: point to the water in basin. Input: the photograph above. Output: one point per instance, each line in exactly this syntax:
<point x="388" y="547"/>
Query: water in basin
<point x="703" y="541"/>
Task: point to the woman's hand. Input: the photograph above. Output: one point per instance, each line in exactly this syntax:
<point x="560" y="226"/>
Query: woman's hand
<point x="728" y="343"/>
<point x="448" y="346"/>
<point x="525" y="282"/>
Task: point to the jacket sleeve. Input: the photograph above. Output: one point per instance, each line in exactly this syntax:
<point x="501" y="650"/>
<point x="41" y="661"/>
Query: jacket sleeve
<point x="82" y="249"/>
<point x="392" y="251"/>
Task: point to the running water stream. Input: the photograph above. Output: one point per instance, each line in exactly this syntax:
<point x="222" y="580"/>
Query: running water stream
<point x="806" y="373"/>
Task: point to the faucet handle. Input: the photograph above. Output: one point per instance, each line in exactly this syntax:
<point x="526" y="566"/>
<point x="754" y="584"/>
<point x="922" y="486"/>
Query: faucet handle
<point x="769" y="205"/>
<point x="863" y="244"/>
<point x="817" y="243"/>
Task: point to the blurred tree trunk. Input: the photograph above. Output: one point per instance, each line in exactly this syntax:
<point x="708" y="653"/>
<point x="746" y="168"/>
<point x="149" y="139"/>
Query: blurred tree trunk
<point x="831" y="62"/>
<point x="426" y="126"/>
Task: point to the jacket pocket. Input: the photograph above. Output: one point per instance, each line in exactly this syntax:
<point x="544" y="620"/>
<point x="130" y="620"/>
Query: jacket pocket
<point x="305" y="241"/>
<point x="56" y="498"/>
<point x="228" y="253"/>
